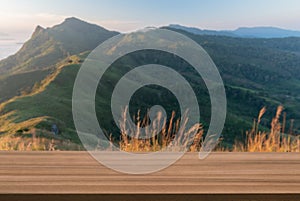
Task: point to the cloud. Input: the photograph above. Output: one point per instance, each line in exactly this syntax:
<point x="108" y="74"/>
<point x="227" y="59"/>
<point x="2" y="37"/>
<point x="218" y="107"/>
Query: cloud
<point x="21" y="25"/>
<point x="3" y="34"/>
<point x="24" y="21"/>
<point x="5" y="37"/>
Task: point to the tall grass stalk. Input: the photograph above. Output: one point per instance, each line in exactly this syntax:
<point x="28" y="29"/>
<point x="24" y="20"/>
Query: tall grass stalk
<point x="272" y="141"/>
<point x="173" y="136"/>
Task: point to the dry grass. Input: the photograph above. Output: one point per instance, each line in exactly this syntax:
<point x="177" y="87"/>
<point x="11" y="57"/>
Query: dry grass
<point x="273" y="141"/>
<point x="171" y="136"/>
<point x="35" y="143"/>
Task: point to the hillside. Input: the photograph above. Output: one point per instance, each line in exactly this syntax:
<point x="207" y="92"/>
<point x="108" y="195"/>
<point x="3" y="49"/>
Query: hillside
<point x="256" y="73"/>
<point x="44" y="50"/>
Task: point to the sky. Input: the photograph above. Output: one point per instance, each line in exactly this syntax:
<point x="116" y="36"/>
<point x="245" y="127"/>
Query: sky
<point x="18" y="18"/>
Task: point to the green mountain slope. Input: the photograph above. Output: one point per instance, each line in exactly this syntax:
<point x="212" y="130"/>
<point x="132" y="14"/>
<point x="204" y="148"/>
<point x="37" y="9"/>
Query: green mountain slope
<point x="45" y="49"/>
<point x="256" y="73"/>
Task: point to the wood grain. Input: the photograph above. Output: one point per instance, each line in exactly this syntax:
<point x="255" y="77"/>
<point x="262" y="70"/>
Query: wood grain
<point x="78" y="172"/>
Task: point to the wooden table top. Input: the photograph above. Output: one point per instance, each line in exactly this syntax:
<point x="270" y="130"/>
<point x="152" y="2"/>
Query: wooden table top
<point x="78" y="172"/>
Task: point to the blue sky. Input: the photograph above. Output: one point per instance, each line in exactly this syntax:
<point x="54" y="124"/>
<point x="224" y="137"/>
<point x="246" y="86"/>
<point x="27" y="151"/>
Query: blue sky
<point x="19" y="17"/>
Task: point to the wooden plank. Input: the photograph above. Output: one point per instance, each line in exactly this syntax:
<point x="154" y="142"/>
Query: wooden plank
<point x="78" y="172"/>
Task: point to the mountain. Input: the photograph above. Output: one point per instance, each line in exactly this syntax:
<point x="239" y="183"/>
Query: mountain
<point x="243" y="32"/>
<point x="41" y="54"/>
<point x="36" y="83"/>
<point x="48" y="46"/>
<point x="265" y="32"/>
<point x="198" y="31"/>
<point x="33" y="71"/>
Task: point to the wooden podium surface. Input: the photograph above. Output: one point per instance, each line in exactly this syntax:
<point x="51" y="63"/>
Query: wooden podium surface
<point x="219" y="173"/>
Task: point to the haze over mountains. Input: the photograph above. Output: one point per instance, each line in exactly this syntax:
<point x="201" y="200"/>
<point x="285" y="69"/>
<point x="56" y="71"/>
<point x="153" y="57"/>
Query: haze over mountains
<point x="10" y="45"/>
<point x="36" y="83"/>
<point x="243" y="32"/>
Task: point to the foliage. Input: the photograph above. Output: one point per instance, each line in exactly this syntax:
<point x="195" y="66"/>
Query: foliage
<point x="36" y="84"/>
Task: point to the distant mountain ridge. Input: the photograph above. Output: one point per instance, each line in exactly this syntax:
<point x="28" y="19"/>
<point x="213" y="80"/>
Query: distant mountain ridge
<point x="242" y="32"/>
